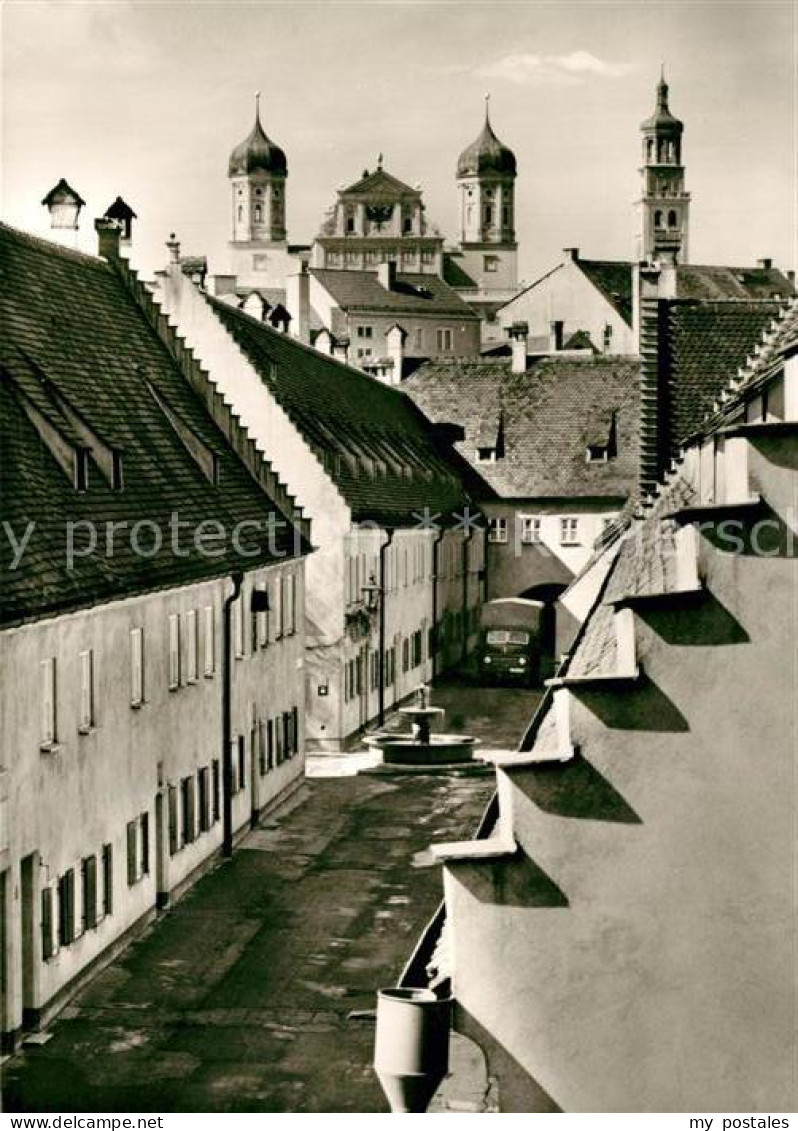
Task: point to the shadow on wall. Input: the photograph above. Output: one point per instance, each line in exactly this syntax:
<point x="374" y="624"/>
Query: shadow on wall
<point x="514" y="881"/>
<point x="517" y="1089"/>
<point x="707" y="624"/>
<point x="764" y="534"/>
<point x="573" y="789"/>
<point x="643" y="707"/>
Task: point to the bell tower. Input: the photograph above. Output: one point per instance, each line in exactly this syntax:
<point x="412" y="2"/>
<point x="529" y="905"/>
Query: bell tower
<point x="486" y="173"/>
<point x="664" y="206"/>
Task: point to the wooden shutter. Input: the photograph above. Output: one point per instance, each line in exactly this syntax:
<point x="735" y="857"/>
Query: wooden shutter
<point x="66" y="908"/>
<point x="137" y="666"/>
<point x="174" y="651"/>
<point x="47" y="923"/>
<point x="132" y="862"/>
<point x="171" y="796"/>
<point x="89" y="893"/>
<point x="216" y="789"/>
<point x="108" y="879"/>
<point x="209" y="654"/>
<point x="191" y="646"/>
<point x="144" y="826"/>
<point x="48" y="719"/>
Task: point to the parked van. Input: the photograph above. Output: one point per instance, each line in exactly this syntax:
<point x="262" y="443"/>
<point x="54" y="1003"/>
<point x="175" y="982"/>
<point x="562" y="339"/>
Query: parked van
<point x="509" y="641"/>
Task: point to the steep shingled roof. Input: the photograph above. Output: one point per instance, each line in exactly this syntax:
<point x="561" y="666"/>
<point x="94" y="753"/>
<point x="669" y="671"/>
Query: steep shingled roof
<point x="75" y="345"/>
<point x="375" y="444"/>
<point x="705" y="343"/>
<point x="549" y="415"/>
<point x="411" y="293"/>
<point x="614" y="280"/>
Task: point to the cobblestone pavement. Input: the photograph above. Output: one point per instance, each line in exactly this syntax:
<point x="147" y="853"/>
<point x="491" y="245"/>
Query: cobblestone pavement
<point x="240" y="997"/>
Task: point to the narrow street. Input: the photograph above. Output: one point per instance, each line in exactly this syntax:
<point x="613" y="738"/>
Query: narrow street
<point x="241" y="997"/>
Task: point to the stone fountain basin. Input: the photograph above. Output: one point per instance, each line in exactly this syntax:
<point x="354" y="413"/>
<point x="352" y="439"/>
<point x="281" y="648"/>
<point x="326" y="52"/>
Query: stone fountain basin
<point x="442" y="749"/>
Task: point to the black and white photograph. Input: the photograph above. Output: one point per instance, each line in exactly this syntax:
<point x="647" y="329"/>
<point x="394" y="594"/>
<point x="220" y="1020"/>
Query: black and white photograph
<point x="398" y="562"/>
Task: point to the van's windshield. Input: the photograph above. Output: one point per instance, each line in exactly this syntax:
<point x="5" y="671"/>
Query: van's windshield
<point x="502" y="636"/>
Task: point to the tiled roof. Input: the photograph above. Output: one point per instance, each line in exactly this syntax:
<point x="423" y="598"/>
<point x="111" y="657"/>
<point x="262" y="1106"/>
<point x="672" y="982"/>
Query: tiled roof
<point x="373" y="441"/>
<point x="708" y="283"/>
<point x="76" y="344"/>
<point x="614" y="280"/>
<point x="706" y="343"/>
<point x="549" y="414"/>
<point x="411" y="294"/>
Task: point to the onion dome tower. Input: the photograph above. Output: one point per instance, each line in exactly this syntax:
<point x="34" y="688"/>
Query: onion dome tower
<point x="486" y="172"/>
<point x="664" y="205"/>
<point x="258" y="170"/>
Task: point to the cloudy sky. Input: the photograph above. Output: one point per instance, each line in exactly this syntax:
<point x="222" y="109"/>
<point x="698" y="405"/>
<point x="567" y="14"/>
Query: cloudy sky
<point x="146" y="99"/>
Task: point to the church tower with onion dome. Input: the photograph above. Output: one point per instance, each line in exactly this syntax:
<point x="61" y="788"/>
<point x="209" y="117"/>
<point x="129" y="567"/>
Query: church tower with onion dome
<point x="258" y="171"/>
<point x="486" y="172"/>
<point x="664" y="206"/>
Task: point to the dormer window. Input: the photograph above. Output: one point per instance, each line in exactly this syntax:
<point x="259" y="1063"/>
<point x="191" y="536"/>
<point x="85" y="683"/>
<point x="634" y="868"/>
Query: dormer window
<point x="486" y="455"/>
<point x="116" y="471"/>
<point x="602" y="442"/>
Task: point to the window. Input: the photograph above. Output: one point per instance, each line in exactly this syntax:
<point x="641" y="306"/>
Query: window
<point x="108" y="879"/>
<point x="209" y="642"/>
<point x="278" y="608"/>
<point x="497" y="530"/>
<point x="488" y="214"/>
<point x="116" y="471"/>
<point x="445" y="340"/>
<point x="48" y="943"/>
<point x="238" y="628"/>
<point x="289" y="603"/>
<point x="269" y="745"/>
<point x="89" y="899"/>
<point x="174" y="651"/>
<point x="81" y="469"/>
<point x="192" y="644"/>
<point x="86" y="713"/>
<point x="607" y="337"/>
<point x="144" y="844"/>
<point x="366" y="332"/>
<point x="530" y="528"/>
<point x="406" y="655"/>
<point x="672" y="221"/>
<point x="66" y="908"/>
<point x="490" y="263"/>
<point x="657" y="219"/>
<point x="203" y="780"/>
<point x="427" y="255"/>
<point x="48" y="721"/>
<point x="262" y="619"/>
<point x="136" y="667"/>
<point x="569" y="531"/>
<point x="258" y="213"/>
<point x="132" y="853"/>
<point x="294" y="730"/>
<point x="486" y="455"/>
<point x="187" y="809"/>
<point x="216" y="795"/>
<point x="171" y="799"/>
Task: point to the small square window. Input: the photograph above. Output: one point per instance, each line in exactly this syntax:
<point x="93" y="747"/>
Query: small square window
<point x="497" y="530"/>
<point x="530" y="529"/>
<point x="569" y="531"/>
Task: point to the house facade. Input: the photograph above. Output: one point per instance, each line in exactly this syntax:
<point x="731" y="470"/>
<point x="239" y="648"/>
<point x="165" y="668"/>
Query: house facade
<point x="133" y="513"/>
<point x="620" y="935"/>
<point x="388" y="499"/>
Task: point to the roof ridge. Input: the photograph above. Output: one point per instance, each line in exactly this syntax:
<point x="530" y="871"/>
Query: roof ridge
<point x="43" y="244"/>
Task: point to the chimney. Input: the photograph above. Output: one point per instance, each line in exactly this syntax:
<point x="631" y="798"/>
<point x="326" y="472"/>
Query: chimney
<point x="765" y="264"/>
<point x="297" y="300"/>
<point x="395" y="341"/>
<point x="64" y="205"/>
<point x="109" y="233"/>
<point x="386" y="273"/>
<point x="791" y="276"/>
<point x="173" y="247"/>
<point x="571" y="254"/>
<point x="518" y="333"/>
<point x="556" y="335"/>
<point x="340" y="349"/>
<point x="120" y="210"/>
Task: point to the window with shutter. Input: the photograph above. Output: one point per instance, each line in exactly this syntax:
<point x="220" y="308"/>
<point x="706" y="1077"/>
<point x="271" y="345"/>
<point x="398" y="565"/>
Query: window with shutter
<point x="209" y="642"/>
<point x="270" y="744"/>
<point x="171" y="801"/>
<point x="187" y="806"/>
<point x="295" y="728"/>
<point x="89" y="873"/>
<point x="242" y="763"/>
<point x="132" y="852"/>
<point x="48" y="719"/>
<point x="192" y="642"/>
<point x="108" y="879"/>
<point x="136" y="667"/>
<point x="216" y="782"/>
<point x="48" y="948"/>
<point x="66" y="908"/>
<point x="204" y="799"/>
<point x="144" y="846"/>
<point x="174" y="651"/>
